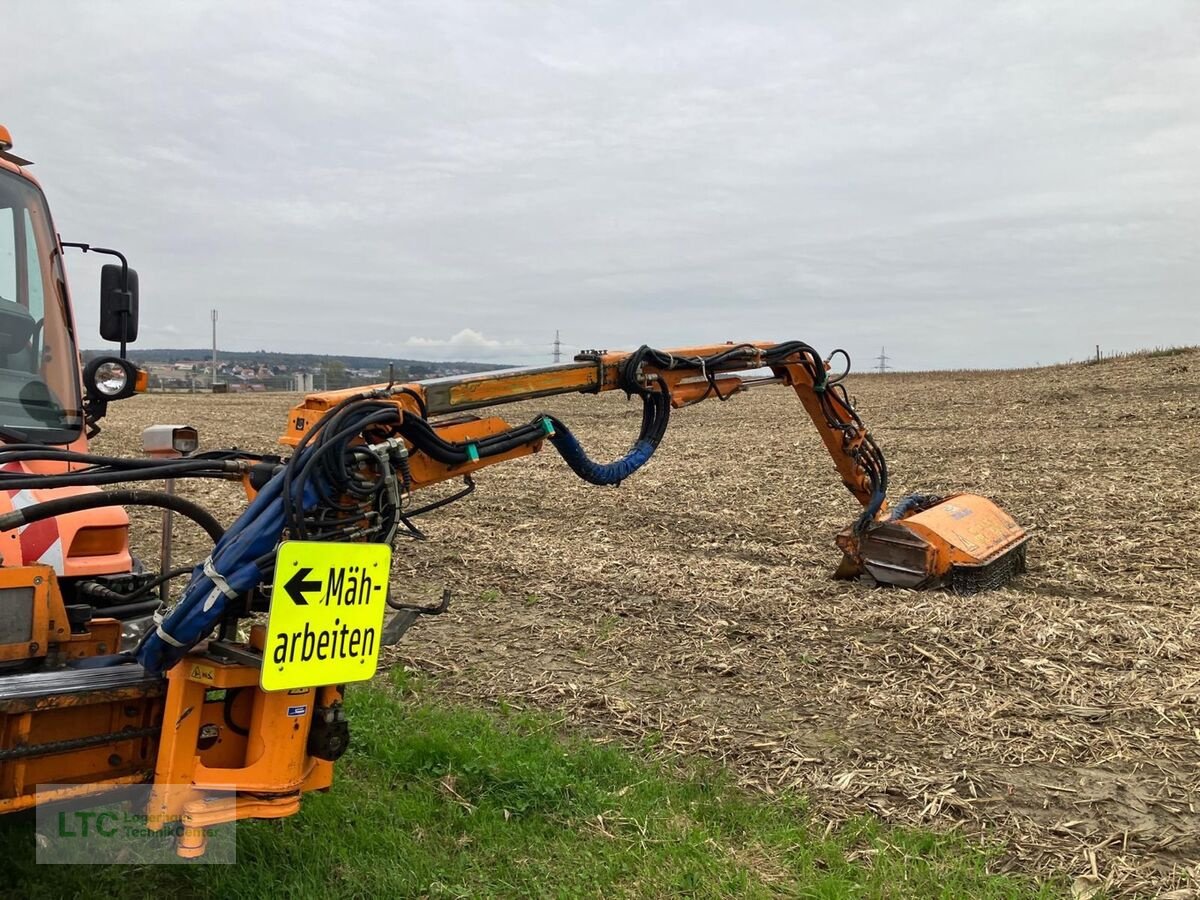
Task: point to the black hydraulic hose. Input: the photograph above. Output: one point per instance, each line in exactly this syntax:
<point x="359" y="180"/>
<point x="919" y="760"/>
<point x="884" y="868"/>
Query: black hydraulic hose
<point x="128" y="610"/>
<point x="374" y="415"/>
<point x="94" y="589"/>
<point x="840" y="352"/>
<point x="93" y="460"/>
<point x="87" y="478"/>
<point x="231" y="696"/>
<point x="420" y="401"/>
<point x="64" y="505"/>
<point x="444" y="501"/>
<point x="425" y="439"/>
<point x="319" y="429"/>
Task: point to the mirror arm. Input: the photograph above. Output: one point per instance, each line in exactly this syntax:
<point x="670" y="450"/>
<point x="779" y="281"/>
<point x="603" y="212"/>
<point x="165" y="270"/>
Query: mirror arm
<point x="117" y="253"/>
<point x="124" y="272"/>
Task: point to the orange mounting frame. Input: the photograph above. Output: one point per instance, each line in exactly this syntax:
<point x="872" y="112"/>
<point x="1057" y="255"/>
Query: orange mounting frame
<point x="275" y="766"/>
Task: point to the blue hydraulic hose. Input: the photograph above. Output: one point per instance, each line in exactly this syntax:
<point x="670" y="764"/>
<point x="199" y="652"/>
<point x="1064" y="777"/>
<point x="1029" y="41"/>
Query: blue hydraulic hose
<point x="581" y="464"/>
<point x="232" y="569"/>
<point x="232" y="566"/>
<point x="912" y="502"/>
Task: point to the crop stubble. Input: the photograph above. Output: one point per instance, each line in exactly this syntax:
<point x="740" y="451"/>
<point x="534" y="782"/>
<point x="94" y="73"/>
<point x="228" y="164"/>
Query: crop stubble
<point x="692" y="607"/>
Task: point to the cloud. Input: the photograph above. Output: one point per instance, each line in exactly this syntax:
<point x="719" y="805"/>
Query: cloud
<point x="333" y="177"/>
<point x="466" y="344"/>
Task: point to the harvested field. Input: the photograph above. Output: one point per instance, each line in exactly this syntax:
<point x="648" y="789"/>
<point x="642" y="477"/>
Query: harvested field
<point x="692" y="609"/>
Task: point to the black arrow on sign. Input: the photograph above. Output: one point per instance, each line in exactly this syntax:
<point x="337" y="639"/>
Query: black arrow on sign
<point x="297" y="585"/>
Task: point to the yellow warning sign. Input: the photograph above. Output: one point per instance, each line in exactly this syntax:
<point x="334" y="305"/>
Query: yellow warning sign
<point x="327" y="606"/>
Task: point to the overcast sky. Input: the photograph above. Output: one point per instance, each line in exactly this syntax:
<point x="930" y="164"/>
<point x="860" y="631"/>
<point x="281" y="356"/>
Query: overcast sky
<point x="967" y="184"/>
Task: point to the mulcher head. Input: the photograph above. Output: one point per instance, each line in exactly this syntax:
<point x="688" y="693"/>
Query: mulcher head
<point x="964" y="541"/>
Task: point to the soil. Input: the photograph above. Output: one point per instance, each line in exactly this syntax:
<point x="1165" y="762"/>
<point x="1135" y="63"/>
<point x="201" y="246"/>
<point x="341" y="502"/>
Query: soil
<point x="692" y="609"/>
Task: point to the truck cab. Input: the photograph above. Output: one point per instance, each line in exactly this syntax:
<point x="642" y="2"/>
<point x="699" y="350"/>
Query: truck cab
<point x="48" y="399"/>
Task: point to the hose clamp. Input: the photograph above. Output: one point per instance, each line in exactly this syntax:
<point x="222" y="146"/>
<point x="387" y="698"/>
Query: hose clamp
<point x="218" y="579"/>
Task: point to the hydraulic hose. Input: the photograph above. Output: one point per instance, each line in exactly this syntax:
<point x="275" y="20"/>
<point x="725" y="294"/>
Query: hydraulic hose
<point x="134" y="598"/>
<point x="62" y="505"/>
<point x="128" y="610"/>
<point x="182" y="468"/>
<point x="656" y="411"/>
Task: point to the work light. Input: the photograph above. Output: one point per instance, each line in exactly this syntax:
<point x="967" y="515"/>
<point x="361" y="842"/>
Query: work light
<point x="111" y="378"/>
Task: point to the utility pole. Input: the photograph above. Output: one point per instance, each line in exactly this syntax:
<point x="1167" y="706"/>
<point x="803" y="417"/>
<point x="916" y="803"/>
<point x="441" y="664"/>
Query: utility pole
<point x="882" y="359"/>
<point x="557" y="347"/>
<point x="214" y="358"/>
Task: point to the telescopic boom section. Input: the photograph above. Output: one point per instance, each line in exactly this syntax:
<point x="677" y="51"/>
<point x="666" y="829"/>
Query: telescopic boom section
<point x="842" y="432"/>
<point x="434" y="427"/>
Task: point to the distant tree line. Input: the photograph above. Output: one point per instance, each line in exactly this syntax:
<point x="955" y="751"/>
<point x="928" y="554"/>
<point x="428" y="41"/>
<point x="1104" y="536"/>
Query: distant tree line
<point x="311" y="362"/>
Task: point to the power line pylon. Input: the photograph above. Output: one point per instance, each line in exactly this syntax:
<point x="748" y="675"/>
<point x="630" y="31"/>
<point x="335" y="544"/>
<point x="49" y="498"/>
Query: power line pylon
<point x="214" y="352"/>
<point x="882" y="359"/>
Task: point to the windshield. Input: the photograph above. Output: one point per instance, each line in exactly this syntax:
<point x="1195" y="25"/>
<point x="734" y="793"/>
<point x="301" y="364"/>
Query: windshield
<point x="39" y="384"/>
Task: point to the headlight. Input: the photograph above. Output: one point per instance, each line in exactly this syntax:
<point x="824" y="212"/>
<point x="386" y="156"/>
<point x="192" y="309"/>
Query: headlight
<point x="111" y="379"/>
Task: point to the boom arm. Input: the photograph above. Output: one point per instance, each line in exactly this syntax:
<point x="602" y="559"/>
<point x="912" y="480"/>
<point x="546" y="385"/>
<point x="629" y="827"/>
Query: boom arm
<point x="685" y="376"/>
<point x="360" y="454"/>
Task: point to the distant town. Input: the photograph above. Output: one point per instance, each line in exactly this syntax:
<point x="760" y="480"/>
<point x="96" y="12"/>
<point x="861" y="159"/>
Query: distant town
<point x="262" y="370"/>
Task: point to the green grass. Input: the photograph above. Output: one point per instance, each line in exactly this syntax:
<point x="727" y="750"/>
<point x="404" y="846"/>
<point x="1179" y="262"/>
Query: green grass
<point x="449" y="802"/>
<point x="1168" y="351"/>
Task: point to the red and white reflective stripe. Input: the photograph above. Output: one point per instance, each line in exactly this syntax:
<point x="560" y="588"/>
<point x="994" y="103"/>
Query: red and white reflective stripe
<point x="40" y="541"/>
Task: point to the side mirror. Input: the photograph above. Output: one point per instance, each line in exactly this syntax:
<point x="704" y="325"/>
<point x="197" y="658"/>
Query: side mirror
<point x="118" y="304"/>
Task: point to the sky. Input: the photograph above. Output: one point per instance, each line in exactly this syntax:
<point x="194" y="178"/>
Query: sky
<point x="965" y="184"/>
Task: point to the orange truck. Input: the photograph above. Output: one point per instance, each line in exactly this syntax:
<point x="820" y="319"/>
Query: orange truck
<point x="106" y="681"/>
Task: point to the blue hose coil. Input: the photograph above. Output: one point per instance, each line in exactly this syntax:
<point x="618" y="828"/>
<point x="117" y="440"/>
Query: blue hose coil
<point x="581" y="464"/>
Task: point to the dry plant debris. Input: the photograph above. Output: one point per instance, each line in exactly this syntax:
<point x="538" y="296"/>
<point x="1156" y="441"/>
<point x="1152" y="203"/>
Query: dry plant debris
<point x="692" y="608"/>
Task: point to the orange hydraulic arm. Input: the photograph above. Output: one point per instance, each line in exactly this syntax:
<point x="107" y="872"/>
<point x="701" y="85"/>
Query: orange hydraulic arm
<point x="686" y="375"/>
<point x="922" y="541"/>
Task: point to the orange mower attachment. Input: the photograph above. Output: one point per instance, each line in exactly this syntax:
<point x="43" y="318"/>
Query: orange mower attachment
<point x="963" y="541"/>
